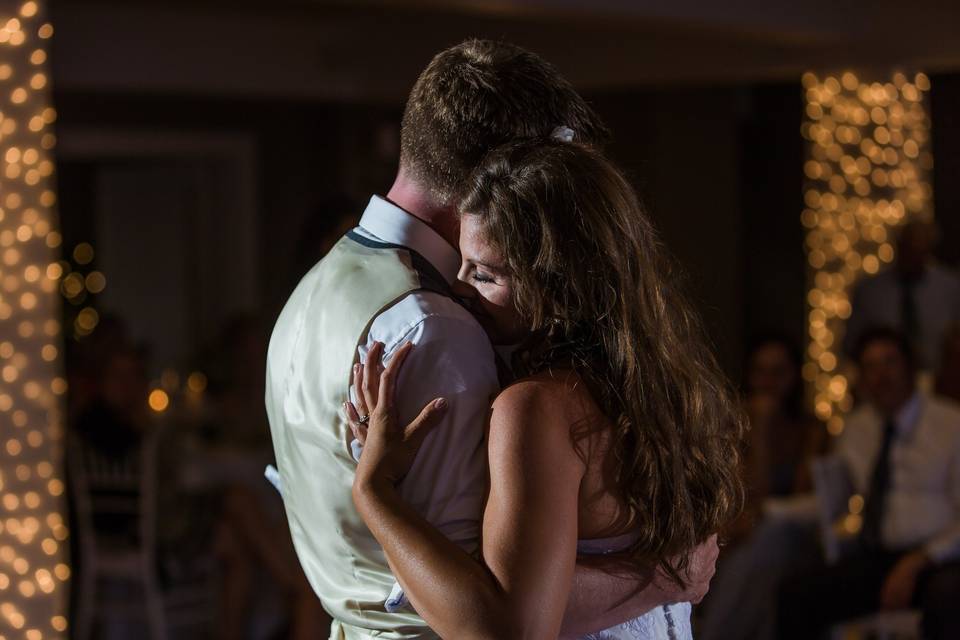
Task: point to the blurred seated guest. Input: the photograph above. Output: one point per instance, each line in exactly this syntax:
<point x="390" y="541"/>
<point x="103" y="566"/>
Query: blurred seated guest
<point x="227" y="527"/>
<point x="85" y="362"/>
<point x="218" y="506"/>
<point x="948" y="376"/>
<point x="114" y="419"/>
<point x="247" y="541"/>
<point x="237" y="381"/>
<point x="777" y="532"/>
<point x="784" y="436"/>
<point x="915" y="295"/>
<point x="110" y="430"/>
<point x="902" y="450"/>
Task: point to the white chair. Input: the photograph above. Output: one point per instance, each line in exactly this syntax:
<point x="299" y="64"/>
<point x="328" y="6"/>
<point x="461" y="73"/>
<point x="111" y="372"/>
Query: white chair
<point x="190" y="606"/>
<point x="125" y="489"/>
<point x="831" y="481"/>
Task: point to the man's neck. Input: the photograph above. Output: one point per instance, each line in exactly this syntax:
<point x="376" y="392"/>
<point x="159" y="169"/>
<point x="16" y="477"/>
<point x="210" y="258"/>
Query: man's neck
<point x="414" y="199"/>
<point x="893" y="410"/>
<point x="912" y="272"/>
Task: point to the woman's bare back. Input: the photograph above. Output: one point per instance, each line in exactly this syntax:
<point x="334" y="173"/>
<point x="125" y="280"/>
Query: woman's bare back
<point x="601" y="514"/>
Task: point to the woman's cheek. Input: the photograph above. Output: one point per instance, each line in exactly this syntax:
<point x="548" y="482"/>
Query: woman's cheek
<point x="501" y="298"/>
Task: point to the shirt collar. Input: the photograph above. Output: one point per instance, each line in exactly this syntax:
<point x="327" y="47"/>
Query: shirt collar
<point x="389" y="223"/>
<point x="909" y="414"/>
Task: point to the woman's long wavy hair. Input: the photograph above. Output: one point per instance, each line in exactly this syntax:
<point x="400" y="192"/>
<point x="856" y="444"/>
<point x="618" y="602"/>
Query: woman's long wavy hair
<point x="589" y="271"/>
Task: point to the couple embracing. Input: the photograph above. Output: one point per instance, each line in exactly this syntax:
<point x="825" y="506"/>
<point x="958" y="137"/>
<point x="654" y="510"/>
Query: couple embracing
<point x="494" y="411"/>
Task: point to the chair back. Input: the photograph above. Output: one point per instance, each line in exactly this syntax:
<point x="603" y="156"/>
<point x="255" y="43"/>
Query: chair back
<point x="121" y="487"/>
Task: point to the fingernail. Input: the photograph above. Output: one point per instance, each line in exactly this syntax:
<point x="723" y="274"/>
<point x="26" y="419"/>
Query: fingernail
<point x="441" y="403"/>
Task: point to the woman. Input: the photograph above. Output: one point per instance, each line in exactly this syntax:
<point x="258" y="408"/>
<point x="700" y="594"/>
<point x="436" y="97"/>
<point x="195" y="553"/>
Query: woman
<point x="784" y="436"/>
<point x="619" y="430"/>
<point x="765" y="545"/>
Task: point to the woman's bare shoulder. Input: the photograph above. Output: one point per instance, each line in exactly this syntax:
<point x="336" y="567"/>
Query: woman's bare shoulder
<point x="557" y="398"/>
<point x="530" y="426"/>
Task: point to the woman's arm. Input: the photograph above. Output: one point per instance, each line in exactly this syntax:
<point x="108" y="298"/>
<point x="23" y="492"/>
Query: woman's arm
<point x="448" y="588"/>
<point x="530" y="525"/>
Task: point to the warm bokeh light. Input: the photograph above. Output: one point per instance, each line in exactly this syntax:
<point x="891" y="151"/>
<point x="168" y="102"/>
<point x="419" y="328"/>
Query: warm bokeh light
<point x="855" y="504"/>
<point x="32" y="591"/>
<point x="197" y="382"/>
<point x="867" y="172"/>
<point x="83" y="253"/>
<point x="158" y="400"/>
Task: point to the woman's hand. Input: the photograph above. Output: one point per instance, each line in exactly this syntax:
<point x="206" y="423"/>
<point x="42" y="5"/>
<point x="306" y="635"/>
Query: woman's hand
<point x="388" y="447"/>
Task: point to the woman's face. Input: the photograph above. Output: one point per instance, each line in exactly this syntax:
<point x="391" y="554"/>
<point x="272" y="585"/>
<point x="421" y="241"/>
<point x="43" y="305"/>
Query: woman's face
<point x="771" y="371"/>
<point x="487" y="286"/>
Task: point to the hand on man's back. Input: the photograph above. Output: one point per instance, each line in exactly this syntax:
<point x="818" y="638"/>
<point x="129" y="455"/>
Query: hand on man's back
<point x="701" y="565"/>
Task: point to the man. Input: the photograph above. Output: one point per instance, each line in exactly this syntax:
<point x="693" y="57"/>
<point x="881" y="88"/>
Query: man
<point x="389" y="280"/>
<point x="902" y="450"/>
<point x="916" y="296"/>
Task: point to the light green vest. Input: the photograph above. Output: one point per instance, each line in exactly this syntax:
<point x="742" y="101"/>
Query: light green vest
<point x="309" y="364"/>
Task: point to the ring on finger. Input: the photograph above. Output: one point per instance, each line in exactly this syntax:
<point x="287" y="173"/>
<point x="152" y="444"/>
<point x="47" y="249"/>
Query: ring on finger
<point x="364" y="419"/>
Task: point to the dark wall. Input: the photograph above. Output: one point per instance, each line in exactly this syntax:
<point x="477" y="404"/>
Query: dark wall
<point x="775" y="264"/>
<point x="680" y="148"/>
<point x="717" y="168"/>
<point x="308" y="156"/>
<point x="945" y="133"/>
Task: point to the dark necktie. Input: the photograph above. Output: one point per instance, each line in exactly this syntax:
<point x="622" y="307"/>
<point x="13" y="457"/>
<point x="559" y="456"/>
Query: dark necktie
<point x="870" y="535"/>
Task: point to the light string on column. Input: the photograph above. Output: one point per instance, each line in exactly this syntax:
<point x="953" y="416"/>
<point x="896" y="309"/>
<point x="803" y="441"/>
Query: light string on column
<point x="33" y="534"/>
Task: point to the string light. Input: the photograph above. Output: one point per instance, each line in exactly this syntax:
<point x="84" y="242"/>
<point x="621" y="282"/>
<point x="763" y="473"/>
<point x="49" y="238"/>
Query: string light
<point x="158" y="400"/>
<point x="866" y="173"/>
<point x="77" y="287"/>
<point x="32" y="533"/>
<point x="197" y="382"/>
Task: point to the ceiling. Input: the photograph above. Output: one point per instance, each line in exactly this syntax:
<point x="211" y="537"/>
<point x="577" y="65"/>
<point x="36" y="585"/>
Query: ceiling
<point x="373" y="49"/>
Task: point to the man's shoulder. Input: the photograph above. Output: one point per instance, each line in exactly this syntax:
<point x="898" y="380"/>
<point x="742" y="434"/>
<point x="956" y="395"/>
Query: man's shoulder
<point x="945" y="412"/>
<point x="427" y="316"/>
<point x="945" y="278"/>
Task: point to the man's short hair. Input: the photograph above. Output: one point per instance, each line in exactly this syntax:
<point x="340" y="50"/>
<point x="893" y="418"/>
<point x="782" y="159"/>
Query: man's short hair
<point x="476" y="96"/>
<point x="885" y="334"/>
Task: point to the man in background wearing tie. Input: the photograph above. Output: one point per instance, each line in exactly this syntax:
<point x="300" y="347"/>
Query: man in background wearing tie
<point x="902" y="450"/>
<point x="916" y="295"/>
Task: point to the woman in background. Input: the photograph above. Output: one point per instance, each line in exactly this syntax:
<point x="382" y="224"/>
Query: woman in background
<point x="784" y="436"/>
<point x="776" y="532"/>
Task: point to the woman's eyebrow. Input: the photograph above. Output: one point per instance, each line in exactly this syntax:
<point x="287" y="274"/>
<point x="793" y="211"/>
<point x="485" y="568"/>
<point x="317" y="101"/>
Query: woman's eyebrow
<point x="492" y="267"/>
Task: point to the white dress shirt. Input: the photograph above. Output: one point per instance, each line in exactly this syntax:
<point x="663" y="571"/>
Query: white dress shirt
<point x="452" y="358"/>
<point x="923" y="497"/>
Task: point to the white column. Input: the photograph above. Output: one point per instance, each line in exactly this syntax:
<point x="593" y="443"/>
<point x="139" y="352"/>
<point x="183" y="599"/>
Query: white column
<point x="33" y="568"/>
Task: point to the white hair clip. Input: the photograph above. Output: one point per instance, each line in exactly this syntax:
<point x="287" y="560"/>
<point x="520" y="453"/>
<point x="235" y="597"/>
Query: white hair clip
<point x="564" y="134"/>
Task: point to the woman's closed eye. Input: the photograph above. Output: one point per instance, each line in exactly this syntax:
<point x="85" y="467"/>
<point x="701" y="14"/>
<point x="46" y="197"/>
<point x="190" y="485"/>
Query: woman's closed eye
<point x="479" y="276"/>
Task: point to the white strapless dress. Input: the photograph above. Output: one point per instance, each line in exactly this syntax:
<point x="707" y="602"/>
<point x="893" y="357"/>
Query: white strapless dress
<point x="667" y="622"/>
